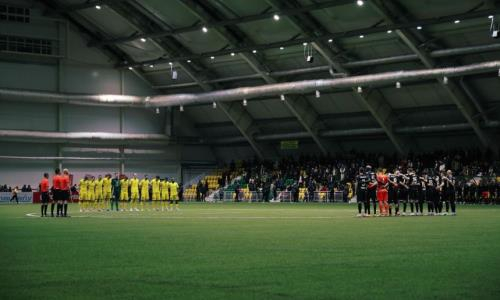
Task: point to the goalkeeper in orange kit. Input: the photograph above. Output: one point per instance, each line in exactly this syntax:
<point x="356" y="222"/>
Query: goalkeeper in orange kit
<point x="382" y="193"/>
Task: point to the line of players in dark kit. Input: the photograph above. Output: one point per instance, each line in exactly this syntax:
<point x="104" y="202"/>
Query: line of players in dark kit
<point x="409" y="189"/>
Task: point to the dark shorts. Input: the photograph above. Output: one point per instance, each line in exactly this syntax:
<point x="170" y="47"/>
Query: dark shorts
<point x="361" y="197"/>
<point x="372" y="195"/>
<point x="393" y="196"/>
<point x="413" y="195"/>
<point x="403" y="195"/>
<point x="56" y="195"/>
<point x="45" y="197"/>
<point x="65" y="195"/>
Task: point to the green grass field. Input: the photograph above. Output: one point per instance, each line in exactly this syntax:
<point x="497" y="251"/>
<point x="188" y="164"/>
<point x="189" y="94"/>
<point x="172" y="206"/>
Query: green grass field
<point x="249" y="251"/>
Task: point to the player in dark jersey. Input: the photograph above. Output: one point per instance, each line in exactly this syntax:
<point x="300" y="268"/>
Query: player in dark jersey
<point x="414" y="191"/>
<point x="431" y="193"/>
<point x="372" y="189"/>
<point x="448" y="190"/>
<point x="361" y="192"/>
<point x="403" y="191"/>
<point x="393" y="192"/>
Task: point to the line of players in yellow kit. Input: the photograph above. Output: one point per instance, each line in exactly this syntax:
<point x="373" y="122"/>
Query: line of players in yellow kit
<point x="127" y="194"/>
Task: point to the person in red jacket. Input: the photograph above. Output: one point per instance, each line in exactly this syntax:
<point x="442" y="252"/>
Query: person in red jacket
<point x="382" y="193"/>
<point x="56" y="192"/>
<point x="65" y="194"/>
<point x="44" y="192"/>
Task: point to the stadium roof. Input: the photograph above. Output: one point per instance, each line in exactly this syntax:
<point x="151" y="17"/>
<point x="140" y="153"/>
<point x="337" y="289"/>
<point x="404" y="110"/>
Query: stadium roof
<point x="220" y="44"/>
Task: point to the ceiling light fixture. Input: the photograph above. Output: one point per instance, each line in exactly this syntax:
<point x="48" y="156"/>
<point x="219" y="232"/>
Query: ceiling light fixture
<point x="304" y="44"/>
<point x="456" y="21"/>
<point x="389" y="31"/>
<point x="233" y="54"/>
<point x="214" y="105"/>
<point x="360" y="90"/>
<point x="282" y="48"/>
<point x="212" y="57"/>
<point x="157" y="110"/>
<point x="204" y="29"/>
<point x="445" y="80"/>
<point x="143" y="40"/>
<point x="130" y="68"/>
<point x="276" y="17"/>
<point x="245" y="102"/>
<point x="254" y="51"/>
<point x="318" y="94"/>
<point x="151" y="66"/>
<point x="98" y="7"/>
<point x="181" y="108"/>
<point x="188" y="61"/>
<point x="398" y="85"/>
<point x="361" y="36"/>
<point x="282" y="97"/>
<point x="419" y="27"/>
<point x="330" y="40"/>
<point x="360" y="2"/>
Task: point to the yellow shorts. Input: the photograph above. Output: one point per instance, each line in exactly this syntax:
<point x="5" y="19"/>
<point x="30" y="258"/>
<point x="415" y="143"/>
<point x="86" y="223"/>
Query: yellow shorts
<point x="107" y="195"/>
<point x="134" y="195"/>
<point x="156" y="196"/>
<point x="145" y="196"/>
<point x="98" y="196"/>
<point x="83" y="196"/>
<point x="164" y="196"/>
<point x="91" y="196"/>
<point x="174" y="198"/>
<point x="124" y="196"/>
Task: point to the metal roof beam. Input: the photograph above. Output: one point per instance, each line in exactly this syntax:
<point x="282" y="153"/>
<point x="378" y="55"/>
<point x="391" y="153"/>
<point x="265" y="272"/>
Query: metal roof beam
<point x="373" y="99"/>
<point x="387" y="9"/>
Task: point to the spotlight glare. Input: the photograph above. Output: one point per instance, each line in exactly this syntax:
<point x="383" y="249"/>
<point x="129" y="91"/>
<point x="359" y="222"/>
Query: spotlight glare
<point x="204" y="29"/>
<point x="170" y="63"/>
<point x="419" y="27"/>
<point x="212" y="57"/>
<point x="98" y="7"/>
<point x="233" y="54"/>
<point x="157" y="110"/>
<point x="245" y="102"/>
<point x="360" y="2"/>
<point x="130" y="68"/>
<point x="282" y="48"/>
<point x="360" y="89"/>
<point x="151" y="66"/>
<point x="389" y="31"/>
<point x="318" y="94"/>
<point x="181" y="108"/>
<point x="276" y="17"/>
<point x="398" y="85"/>
<point x="490" y="17"/>
<point x="254" y="51"/>
<point x="304" y="44"/>
<point x="456" y="21"/>
<point x="445" y="80"/>
<point x="361" y="36"/>
<point x="214" y="105"/>
<point x="188" y="61"/>
<point x="282" y="97"/>
<point x="330" y="40"/>
<point x="143" y="40"/>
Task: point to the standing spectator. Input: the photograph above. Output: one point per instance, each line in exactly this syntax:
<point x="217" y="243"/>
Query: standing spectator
<point x="14" y="195"/>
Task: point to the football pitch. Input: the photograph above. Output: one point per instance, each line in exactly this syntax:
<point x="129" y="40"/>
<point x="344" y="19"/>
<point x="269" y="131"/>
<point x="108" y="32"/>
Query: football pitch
<point x="249" y="251"/>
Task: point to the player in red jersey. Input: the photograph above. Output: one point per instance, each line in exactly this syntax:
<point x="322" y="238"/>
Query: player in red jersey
<point x="65" y="194"/>
<point x="44" y="191"/>
<point x="382" y="193"/>
<point x="56" y="192"/>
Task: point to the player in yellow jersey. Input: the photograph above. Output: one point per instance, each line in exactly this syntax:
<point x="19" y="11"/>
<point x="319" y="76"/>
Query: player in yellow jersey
<point x="155" y="187"/>
<point x="134" y="193"/>
<point x="98" y="193"/>
<point x="124" y="183"/>
<point x="174" y="194"/>
<point x="91" y="193"/>
<point x="82" y="194"/>
<point x="144" y="186"/>
<point x="106" y="190"/>
<point x="164" y="187"/>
